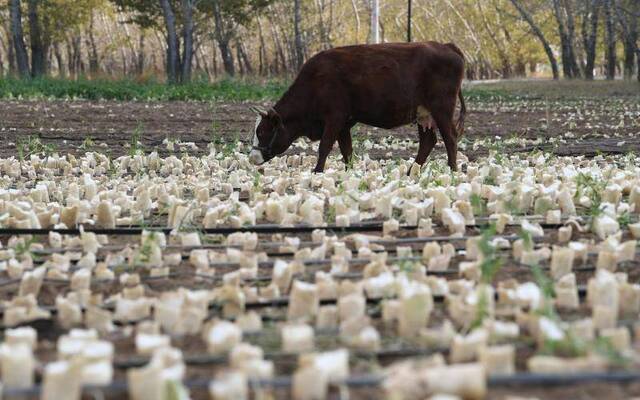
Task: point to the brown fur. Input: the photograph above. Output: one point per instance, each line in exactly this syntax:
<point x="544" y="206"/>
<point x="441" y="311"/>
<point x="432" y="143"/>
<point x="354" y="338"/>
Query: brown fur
<point x="380" y="85"/>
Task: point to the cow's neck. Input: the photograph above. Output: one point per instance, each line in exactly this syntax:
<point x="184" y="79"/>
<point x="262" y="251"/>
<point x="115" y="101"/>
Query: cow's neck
<point x="291" y="106"/>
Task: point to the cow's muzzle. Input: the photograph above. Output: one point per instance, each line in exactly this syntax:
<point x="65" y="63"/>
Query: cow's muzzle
<point x="259" y="154"/>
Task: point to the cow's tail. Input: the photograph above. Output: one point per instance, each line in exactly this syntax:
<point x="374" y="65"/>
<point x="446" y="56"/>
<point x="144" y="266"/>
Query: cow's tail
<point x="463" y="107"/>
<point x="463" y="113"/>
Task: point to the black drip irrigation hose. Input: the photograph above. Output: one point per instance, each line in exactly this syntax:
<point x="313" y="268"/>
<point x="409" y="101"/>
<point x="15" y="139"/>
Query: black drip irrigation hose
<point x="277" y="302"/>
<point x="308" y="262"/>
<point x="367" y="226"/>
<point x="535" y="379"/>
<point x="523" y="379"/>
<point x="301" y="245"/>
<point x="210" y="359"/>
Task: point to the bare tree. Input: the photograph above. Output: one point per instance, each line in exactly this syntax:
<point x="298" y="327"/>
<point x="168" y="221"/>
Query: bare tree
<point x="500" y="48"/>
<point x="278" y="45"/>
<point x="263" y="60"/>
<point x="409" y="20"/>
<point x="589" y="34"/>
<point x="610" y="39"/>
<point x="243" y="58"/>
<point x="566" y="30"/>
<point x="92" y="48"/>
<point x="38" y="48"/>
<point x="22" y="60"/>
<point x="10" y="48"/>
<point x="299" y="47"/>
<point x="628" y="15"/>
<point x="140" y="61"/>
<point x="223" y="36"/>
<point x="526" y="16"/>
<point x="173" y="57"/>
<point x="357" y="17"/>
<point x="187" y="39"/>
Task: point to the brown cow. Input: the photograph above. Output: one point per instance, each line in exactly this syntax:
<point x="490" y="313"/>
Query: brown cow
<point x="382" y="85"/>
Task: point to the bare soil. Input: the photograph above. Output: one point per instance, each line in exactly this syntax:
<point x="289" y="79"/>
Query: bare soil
<point x="595" y="123"/>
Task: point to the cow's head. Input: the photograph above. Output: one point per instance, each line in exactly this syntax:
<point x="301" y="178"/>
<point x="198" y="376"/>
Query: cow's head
<point x="270" y="137"/>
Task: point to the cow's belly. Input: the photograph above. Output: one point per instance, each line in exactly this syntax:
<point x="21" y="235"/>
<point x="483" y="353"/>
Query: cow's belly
<point x="386" y="118"/>
<point x="383" y="107"/>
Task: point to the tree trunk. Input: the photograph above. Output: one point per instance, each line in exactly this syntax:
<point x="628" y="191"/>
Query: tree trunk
<point x="279" y="50"/>
<point x="22" y="60"/>
<point x="70" y="65"/>
<point x="93" y="51"/>
<point x="241" y="66"/>
<point x="262" y="51"/>
<point x="357" y="16"/>
<point x="125" y="64"/>
<point x="223" y="38"/>
<point x="502" y="53"/>
<point x="299" y="51"/>
<point x="638" y="62"/>
<point x="227" y="57"/>
<point x="59" y="61"/>
<point x="589" y="36"/>
<point x="74" y="59"/>
<point x="565" y="31"/>
<point x="610" y="40"/>
<point x="245" y="59"/>
<point x="214" y="60"/>
<point x="173" y="58"/>
<point x="8" y="51"/>
<point x="140" y="61"/>
<point x="538" y="33"/>
<point x="629" y="58"/>
<point x="77" y="54"/>
<point x="409" y="21"/>
<point x="187" y="37"/>
<point x="571" y="37"/>
<point x="520" y="69"/>
<point x="11" y="51"/>
<point x="375" y="21"/>
<point x="201" y="62"/>
<point x="628" y="20"/>
<point x="38" y="51"/>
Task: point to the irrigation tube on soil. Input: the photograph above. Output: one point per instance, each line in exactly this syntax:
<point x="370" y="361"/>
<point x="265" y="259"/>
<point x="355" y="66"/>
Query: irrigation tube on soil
<point x="372" y="226"/>
<point x="208" y="359"/>
<point x="284" y="302"/>
<point x="371" y="380"/>
<point x="389" y="242"/>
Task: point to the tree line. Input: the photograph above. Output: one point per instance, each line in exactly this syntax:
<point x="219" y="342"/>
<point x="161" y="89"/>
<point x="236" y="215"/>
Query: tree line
<point x="183" y="39"/>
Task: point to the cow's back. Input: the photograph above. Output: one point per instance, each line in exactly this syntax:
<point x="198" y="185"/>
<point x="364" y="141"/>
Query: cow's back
<point x="381" y="85"/>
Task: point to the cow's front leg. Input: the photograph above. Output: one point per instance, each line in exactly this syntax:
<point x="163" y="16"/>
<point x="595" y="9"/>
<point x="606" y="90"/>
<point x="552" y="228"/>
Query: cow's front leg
<point x="346" y="148"/>
<point x="329" y="136"/>
<point x="428" y="141"/>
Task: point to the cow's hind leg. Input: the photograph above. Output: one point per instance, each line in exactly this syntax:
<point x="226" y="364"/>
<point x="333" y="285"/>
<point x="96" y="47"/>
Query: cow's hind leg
<point x="332" y="129"/>
<point x="346" y="147"/>
<point x="444" y="121"/>
<point x="427" y="143"/>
